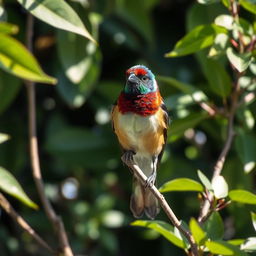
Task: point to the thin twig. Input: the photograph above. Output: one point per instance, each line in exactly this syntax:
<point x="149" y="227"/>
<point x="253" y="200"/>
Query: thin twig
<point x="167" y="209"/>
<point x="34" y="157"/>
<point x="24" y="225"/>
<point x="206" y="206"/>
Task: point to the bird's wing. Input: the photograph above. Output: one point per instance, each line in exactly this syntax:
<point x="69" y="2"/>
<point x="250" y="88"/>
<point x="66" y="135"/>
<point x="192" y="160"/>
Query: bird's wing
<point x="166" y="122"/>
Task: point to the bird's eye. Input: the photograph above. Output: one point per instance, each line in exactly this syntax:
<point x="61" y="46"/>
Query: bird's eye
<point x="145" y="78"/>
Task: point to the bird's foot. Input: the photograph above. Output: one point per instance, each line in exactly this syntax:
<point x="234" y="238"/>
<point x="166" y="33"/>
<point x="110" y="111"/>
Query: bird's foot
<point x="127" y="157"/>
<point x="151" y="180"/>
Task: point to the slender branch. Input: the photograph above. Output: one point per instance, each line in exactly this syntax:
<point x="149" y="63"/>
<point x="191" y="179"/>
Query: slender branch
<point x="206" y="206"/>
<point x="23" y="224"/>
<point x="34" y="157"/>
<point x="165" y="206"/>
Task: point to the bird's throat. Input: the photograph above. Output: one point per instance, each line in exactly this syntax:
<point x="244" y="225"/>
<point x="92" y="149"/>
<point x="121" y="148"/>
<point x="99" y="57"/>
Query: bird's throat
<point x="142" y="104"/>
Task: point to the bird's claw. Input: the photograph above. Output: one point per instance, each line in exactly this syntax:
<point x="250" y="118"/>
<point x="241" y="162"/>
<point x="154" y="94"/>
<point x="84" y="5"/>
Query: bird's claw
<point x="151" y="180"/>
<point x="127" y="157"/>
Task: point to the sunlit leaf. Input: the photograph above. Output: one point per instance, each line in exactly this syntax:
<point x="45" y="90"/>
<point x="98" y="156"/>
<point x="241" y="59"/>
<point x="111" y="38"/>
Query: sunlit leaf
<point x="15" y="59"/>
<point x="249" y="245"/>
<point x="220" y="187"/>
<point x="219" y="46"/>
<point x="249" y="5"/>
<point x="242" y="196"/>
<point x="225" y="21"/>
<point x="8" y="28"/>
<point x="162" y="228"/>
<point x="197" y="232"/>
<point x="10" y="185"/>
<point x="223" y="248"/>
<point x="207" y="1"/>
<point x="253" y="217"/>
<point x="76" y="54"/>
<point x="57" y="13"/>
<point x="204" y="180"/>
<point x="181" y="184"/>
<point x="214" y="226"/>
<point x="4" y="137"/>
<point x="199" y="38"/>
<point x="240" y="61"/>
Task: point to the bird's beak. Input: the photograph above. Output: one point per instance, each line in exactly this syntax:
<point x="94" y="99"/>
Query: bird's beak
<point x="133" y="79"/>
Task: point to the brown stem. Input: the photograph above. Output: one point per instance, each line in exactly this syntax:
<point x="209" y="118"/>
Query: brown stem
<point x="165" y="206"/>
<point x="23" y="224"/>
<point x="34" y="157"/>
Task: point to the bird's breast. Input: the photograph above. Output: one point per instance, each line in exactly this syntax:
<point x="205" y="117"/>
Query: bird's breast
<point x="136" y="128"/>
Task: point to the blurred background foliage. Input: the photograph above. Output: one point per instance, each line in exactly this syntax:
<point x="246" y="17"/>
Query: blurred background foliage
<point x="80" y="157"/>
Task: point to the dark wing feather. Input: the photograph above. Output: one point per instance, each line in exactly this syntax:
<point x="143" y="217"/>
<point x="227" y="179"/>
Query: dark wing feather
<point x="166" y="120"/>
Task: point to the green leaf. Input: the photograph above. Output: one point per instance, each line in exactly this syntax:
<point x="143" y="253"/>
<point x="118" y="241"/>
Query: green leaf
<point x="220" y="187"/>
<point x="249" y="5"/>
<point x="184" y="87"/>
<point x="76" y="94"/>
<point x="246" y="148"/>
<point x="15" y="59"/>
<point x="9" y="88"/>
<point x="249" y="245"/>
<point x="242" y="196"/>
<point x="181" y="184"/>
<point x="10" y="185"/>
<point x="226" y="3"/>
<point x="253" y="217"/>
<point x="75" y="54"/>
<point x="214" y="226"/>
<point x="204" y="180"/>
<point x="179" y="126"/>
<point x="207" y="1"/>
<point x="240" y="61"/>
<point x="162" y="228"/>
<point x="8" y="28"/>
<point x="58" y="14"/>
<point x="225" y="21"/>
<point x="223" y="248"/>
<point x="219" y="46"/>
<point x="4" y="137"/>
<point x="217" y="76"/>
<point x="199" y="38"/>
<point x="197" y="232"/>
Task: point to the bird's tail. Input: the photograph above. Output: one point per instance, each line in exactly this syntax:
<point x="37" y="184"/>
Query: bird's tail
<point x="143" y="201"/>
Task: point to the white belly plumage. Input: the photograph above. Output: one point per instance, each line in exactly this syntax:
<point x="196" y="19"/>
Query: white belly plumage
<point x="136" y="127"/>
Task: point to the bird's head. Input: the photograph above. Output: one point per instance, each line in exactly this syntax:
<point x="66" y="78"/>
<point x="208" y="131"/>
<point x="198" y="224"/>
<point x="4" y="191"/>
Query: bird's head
<point x="140" y="80"/>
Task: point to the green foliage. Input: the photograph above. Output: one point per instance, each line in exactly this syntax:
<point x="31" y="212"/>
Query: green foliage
<point x="197" y="232"/>
<point x="164" y="229"/>
<point x="11" y="186"/>
<point x="15" y="59"/>
<point x="199" y="38"/>
<point x="242" y="196"/>
<point x="181" y="184"/>
<point x="58" y="14"/>
<point x="80" y="157"/>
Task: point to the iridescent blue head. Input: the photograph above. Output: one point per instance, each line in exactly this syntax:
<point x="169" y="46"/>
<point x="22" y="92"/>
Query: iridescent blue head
<point x="140" y="80"/>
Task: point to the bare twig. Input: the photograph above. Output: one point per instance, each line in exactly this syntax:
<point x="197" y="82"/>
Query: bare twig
<point x="34" y="156"/>
<point x="24" y="225"/>
<point x="169" y="212"/>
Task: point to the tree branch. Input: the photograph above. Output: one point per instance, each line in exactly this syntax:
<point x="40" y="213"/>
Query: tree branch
<point x="34" y="157"/>
<point x="23" y="224"/>
<point x="165" y="206"/>
<point x="206" y="206"/>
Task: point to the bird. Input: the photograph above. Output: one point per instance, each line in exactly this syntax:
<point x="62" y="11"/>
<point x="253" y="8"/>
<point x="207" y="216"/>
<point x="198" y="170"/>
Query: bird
<point x="140" y="121"/>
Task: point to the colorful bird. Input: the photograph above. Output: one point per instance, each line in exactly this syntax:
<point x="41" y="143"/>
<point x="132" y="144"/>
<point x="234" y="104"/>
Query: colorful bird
<point x="140" y="121"/>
